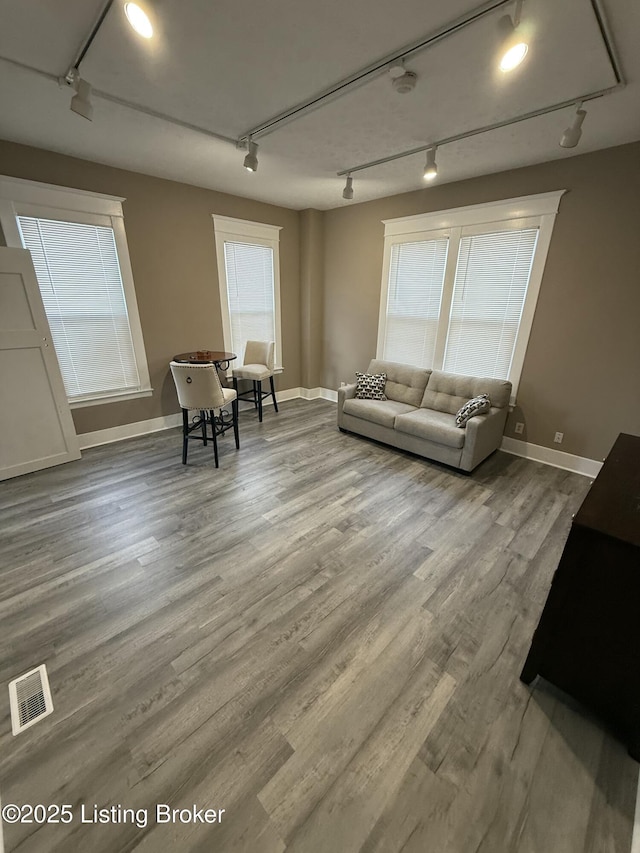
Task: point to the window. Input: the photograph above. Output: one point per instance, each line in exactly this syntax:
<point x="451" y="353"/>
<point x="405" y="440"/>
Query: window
<point x="249" y="279"/>
<point x="459" y="287"/>
<point x="79" y="253"/>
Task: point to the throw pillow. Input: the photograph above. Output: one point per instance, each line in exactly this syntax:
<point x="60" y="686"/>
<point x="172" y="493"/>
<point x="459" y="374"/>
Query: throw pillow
<point x="476" y="406"/>
<point x="370" y="386"/>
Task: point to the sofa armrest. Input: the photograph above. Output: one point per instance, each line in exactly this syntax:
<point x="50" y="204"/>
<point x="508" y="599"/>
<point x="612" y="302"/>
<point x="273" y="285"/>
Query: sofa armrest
<point x="484" y="435"/>
<point x="345" y="392"/>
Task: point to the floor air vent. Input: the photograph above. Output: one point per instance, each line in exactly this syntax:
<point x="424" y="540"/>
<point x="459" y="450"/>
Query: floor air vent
<point x="30" y="699"/>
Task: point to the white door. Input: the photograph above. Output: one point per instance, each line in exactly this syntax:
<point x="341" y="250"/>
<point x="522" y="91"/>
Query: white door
<point x="36" y="427"/>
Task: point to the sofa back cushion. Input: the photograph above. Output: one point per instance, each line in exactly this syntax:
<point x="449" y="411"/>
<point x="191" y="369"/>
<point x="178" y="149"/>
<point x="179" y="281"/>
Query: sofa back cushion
<point x="405" y="384"/>
<point x="448" y="392"/>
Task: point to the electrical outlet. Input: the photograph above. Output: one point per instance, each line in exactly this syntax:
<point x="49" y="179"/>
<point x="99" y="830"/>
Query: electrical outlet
<point x="558" y="437"/>
<point x="519" y="428"/>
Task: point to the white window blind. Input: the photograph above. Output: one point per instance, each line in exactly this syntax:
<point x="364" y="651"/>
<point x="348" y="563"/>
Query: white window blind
<point x="416" y="277"/>
<point x="79" y="276"/>
<point x="491" y="280"/>
<point x="469" y="277"/>
<point x="250" y="291"/>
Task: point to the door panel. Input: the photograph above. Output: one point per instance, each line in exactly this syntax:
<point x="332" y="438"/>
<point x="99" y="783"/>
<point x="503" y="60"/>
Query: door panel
<point x="36" y="427"/>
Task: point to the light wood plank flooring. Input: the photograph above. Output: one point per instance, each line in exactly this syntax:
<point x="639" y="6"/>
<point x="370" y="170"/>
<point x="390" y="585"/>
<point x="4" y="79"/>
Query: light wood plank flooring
<point x="323" y="637"/>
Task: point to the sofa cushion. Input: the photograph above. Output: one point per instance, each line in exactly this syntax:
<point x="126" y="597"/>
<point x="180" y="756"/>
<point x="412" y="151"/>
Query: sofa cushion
<point x="370" y="386"/>
<point x="448" y="392"/>
<point x="405" y="384"/>
<point x="377" y="411"/>
<point x="476" y="406"/>
<point x="438" y="427"/>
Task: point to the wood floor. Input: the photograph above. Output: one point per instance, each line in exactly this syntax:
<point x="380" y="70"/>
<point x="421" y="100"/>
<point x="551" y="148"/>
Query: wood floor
<point x="323" y="637"/>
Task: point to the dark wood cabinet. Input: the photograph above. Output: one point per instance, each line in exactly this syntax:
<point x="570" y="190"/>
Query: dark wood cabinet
<point x="588" y="638"/>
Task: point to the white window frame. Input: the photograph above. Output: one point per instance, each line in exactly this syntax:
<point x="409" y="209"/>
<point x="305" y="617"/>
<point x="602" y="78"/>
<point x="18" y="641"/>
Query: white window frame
<point x="19" y="197"/>
<point x="228" y="229"/>
<point x="514" y="213"/>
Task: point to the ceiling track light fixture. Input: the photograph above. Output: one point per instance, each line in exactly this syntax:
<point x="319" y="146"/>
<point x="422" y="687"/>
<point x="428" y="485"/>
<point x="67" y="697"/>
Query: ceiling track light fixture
<point x="138" y="19"/>
<point x="514" y="47"/>
<point x="251" y="160"/>
<point x="569" y="139"/>
<point x="572" y="134"/>
<point x="347" y="192"/>
<point x="431" y="167"/>
<point x="81" y="101"/>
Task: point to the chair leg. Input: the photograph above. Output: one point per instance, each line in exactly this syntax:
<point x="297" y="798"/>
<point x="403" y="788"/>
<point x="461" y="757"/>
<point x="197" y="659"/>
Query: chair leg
<point x="235" y="384"/>
<point x="273" y="393"/>
<point x="203" y="417"/>
<point x="215" y="439"/>
<point x="259" y="384"/>
<point x="255" y="394"/>
<point x="234" y="409"/>
<point x="185" y="435"/>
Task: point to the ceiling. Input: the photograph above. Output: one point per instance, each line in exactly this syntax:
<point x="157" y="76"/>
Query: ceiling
<point x="228" y="67"/>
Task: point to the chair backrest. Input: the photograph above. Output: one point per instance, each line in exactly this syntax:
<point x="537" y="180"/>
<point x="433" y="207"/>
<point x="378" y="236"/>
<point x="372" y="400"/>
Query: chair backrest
<point x="260" y="352"/>
<point x="198" y="386"/>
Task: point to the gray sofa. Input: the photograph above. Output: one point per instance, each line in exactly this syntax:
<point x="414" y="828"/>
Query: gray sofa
<point x="419" y="413"/>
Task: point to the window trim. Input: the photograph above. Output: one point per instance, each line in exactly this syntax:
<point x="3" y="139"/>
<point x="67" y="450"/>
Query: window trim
<point x="460" y="221"/>
<point x="226" y="228"/>
<point x="20" y="197"/>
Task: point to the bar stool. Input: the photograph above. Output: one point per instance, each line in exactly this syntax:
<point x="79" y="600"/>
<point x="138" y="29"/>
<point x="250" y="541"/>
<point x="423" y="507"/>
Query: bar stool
<point x="199" y="387"/>
<point x="258" y="365"/>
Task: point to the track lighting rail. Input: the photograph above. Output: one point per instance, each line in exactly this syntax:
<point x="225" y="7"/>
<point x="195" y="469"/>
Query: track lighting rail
<point x="89" y="40"/>
<point x="342" y="86"/>
<point x="487" y="128"/>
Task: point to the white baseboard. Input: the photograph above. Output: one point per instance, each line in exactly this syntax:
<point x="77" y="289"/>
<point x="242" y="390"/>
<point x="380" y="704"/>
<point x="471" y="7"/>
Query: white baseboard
<point x="319" y="394"/>
<point x="119" y="433"/>
<point x="556" y="458"/>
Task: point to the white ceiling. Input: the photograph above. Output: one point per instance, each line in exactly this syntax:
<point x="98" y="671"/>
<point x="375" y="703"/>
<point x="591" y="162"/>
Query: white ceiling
<point x="227" y="67"/>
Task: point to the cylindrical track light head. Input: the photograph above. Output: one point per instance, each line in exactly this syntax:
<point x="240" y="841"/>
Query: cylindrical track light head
<point x="81" y="101"/>
<point x="347" y="192"/>
<point x="251" y="160"/>
<point x="513" y="56"/>
<point x="571" y="136"/>
<point x="514" y="48"/>
<point x="431" y="167"/>
<point x="139" y="20"/>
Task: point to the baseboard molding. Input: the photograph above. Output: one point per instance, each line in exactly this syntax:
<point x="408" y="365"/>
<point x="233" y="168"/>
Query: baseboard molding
<point x="119" y="433"/>
<point x="548" y="456"/>
<point x="319" y="394"/>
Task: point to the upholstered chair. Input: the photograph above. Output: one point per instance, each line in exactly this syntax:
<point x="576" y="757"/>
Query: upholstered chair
<point x="199" y="388"/>
<point x="258" y="365"/>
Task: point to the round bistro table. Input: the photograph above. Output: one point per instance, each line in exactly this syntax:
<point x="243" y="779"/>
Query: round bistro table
<point x="207" y="356"/>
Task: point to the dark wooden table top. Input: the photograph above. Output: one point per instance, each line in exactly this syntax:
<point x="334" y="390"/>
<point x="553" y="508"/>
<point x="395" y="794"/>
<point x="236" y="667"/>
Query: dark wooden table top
<point x="205" y="356"/>
<point x="612" y="506"/>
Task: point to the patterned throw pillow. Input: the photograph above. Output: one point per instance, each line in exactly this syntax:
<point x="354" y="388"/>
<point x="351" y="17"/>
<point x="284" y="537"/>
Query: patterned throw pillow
<point x="370" y="386"/>
<point x="476" y="406"/>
